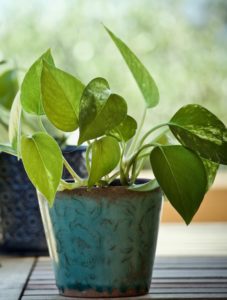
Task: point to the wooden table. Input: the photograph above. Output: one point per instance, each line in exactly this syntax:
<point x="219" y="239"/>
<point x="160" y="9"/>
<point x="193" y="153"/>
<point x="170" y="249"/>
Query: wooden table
<point x="182" y="277"/>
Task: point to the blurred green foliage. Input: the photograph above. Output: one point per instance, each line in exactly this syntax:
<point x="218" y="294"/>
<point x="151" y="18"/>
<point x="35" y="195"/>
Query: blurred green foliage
<point x="182" y="42"/>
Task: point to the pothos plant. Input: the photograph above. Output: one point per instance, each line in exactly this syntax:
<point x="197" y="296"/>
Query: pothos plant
<point x="116" y="148"/>
<point x="9" y="86"/>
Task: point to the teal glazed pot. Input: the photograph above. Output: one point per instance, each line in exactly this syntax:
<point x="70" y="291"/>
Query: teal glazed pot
<point x="103" y="240"/>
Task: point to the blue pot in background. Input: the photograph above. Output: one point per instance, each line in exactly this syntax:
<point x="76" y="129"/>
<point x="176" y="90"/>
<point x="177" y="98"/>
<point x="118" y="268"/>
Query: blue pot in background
<point x="21" y="228"/>
<point x="103" y="240"/>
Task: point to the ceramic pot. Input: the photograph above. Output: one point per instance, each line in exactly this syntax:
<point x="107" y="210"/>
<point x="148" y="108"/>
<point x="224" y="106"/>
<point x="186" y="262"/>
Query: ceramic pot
<point x="102" y="241"/>
<point x="21" y="228"/>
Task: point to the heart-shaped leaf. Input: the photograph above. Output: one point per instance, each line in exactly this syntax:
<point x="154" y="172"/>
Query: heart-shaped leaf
<point x="100" y="111"/>
<point x="182" y="176"/>
<point x="31" y="98"/>
<point x="42" y="159"/>
<point x="92" y="101"/>
<point x="145" y="187"/>
<point x="143" y="78"/>
<point x="125" y="130"/>
<point x="8" y="88"/>
<point x="105" y="157"/>
<point x="61" y="93"/>
<point x="15" y="123"/>
<point x="200" y="130"/>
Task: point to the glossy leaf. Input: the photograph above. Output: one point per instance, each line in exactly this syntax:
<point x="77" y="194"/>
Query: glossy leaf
<point x="143" y="78"/>
<point x="8" y="88"/>
<point x="61" y="93"/>
<point x="31" y="98"/>
<point x="145" y="187"/>
<point x="14" y="123"/>
<point x="211" y="171"/>
<point x="92" y="101"/>
<point x="100" y="111"/>
<point x="182" y="176"/>
<point x="125" y="130"/>
<point x="43" y="163"/>
<point x="200" y="130"/>
<point x="105" y="157"/>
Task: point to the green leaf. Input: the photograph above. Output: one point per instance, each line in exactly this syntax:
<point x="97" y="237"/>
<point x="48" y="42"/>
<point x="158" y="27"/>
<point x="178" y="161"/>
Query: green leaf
<point x="31" y="98"/>
<point x="105" y="157"/>
<point x="4" y="116"/>
<point x="100" y="111"/>
<point x="15" y="124"/>
<point x="7" y="149"/>
<point x="143" y="78"/>
<point x="4" y="133"/>
<point x="182" y="176"/>
<point x="211" y="171"/>
<point x="61" y="93"/>
<point x="200" y="130"/>
<point x="145" y="187"/>
<point x="8" y="88"/>
<point x="125" y="130"/>
<point x="43" y="163"/>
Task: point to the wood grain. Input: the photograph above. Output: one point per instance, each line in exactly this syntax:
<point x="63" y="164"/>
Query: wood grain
<point x="173" y="278"/>
<point x="14" y="272"/>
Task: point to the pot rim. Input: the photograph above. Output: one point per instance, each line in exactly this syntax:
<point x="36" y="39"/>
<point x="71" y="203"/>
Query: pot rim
<point x="114" y="186"/>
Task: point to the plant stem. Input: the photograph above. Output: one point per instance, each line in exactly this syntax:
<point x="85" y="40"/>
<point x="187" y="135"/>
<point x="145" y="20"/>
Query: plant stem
<point x="123" y="177"/>
<point x="134" y="141"/>
<point x="19" y="136"/>
<point x="41" y="125"/>
<point x="87" y="158"/>
<point x="150" y="131"/>
<point x="71" y="171"/>
<point x="70" y="185"/>
<point x="113" y="177"/>
<point x="134" y="157"/>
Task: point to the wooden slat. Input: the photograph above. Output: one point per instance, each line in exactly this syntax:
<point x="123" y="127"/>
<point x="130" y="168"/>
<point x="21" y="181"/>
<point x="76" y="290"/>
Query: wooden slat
<point x="173" y="278"/>
<point x="14" y="272"/>
<point x="151" y="297"/>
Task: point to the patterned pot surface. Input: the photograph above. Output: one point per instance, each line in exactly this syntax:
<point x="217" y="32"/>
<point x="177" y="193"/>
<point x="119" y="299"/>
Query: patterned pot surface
<point x="21" y="228"/>
<point x="103" y="240"/>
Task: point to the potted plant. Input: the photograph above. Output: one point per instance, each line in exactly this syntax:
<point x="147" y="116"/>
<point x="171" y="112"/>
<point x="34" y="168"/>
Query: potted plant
<point x="102" y="230"/>
<point x="20" y="222"/>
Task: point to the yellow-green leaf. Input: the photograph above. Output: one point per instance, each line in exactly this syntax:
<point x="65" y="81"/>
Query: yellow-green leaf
<point x="42" y="159"/>
<point x="105" y="157"/>
<point x="61" y="93"/>
<point x="143" y="78"/>
<point x="8" y="88"/>
<point x="125" y="130"/>
<point x="100" y="111"/>
<point x="31" y="98"/>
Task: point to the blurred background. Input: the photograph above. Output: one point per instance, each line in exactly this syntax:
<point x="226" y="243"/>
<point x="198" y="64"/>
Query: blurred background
<point x="183" y="43"/>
